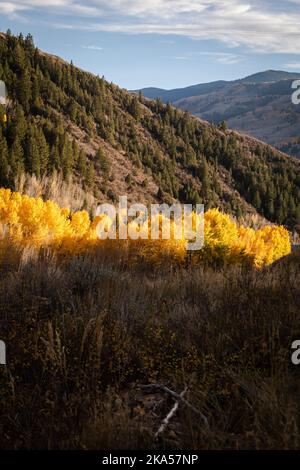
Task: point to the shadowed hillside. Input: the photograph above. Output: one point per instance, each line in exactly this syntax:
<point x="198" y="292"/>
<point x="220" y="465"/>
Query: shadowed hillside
<point x="62" y="120"/>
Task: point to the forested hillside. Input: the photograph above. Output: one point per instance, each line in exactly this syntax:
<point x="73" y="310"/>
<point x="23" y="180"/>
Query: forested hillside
<point x="62" y="120"/>
<point x="259" y="105"/>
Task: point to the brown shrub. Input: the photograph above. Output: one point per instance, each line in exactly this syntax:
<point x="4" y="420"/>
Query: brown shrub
<point x="82" y="335"/>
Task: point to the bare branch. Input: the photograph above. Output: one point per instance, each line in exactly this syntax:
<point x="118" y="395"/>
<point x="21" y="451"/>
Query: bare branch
<point x="163" y="388"/>
<point x="169" y="416"/>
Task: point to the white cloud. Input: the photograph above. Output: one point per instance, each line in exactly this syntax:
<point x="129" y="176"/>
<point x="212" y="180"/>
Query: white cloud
<point x="225" y="58"/>
<point x="92" y="48"/>
<point x="54" y="6"/>
<point x="181" y="57"/>
<point x="9" y="8"/>
<point x="293" y="66"/>
<point x="169" y="42"/>
<point x="263" y="25"/>
<point x="155" y="8"/>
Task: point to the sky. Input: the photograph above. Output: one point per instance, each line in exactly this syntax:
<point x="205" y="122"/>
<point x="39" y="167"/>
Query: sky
<point x="163" y="43"/>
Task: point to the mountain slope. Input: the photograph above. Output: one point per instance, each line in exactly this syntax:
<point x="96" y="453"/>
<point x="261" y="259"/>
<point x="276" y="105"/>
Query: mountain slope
<point x="67" y="121"/>
<point x="259" y="105"/>
<point x="180" y="93"/>
<point x="270" y="76"/>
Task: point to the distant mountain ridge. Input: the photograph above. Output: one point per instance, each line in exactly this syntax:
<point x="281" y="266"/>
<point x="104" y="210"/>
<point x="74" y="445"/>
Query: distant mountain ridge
<point x="259" y="105"/>
<point x="179" y="93"/>
<point x="192" y="90"/>
<point x="64" y="121"/>
<point x="270" y="76"/>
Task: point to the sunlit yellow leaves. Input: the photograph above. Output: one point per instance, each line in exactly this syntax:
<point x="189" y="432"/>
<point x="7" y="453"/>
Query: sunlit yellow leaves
<point x="27" y="221"/>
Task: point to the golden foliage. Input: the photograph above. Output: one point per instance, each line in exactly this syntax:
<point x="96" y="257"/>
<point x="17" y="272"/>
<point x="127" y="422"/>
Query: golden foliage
<point x="31" y="222"/>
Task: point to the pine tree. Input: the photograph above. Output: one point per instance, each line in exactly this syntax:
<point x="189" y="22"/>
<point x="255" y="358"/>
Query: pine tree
<point x="103" y="162"/>
<point x="257" y="200"/>
<point x="90" y="176"/>
<point x="24" y="90"/>
<point x="32" y="157"/>
<point x="205" y="179"/>
<point x="66" y="158"/>
<point x="4" y="157"/>
<point x="43" y="150"/>
<point x="17" y="157"/>
<point x="82" y="164"/>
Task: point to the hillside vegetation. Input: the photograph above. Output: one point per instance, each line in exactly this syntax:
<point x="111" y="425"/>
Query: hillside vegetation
<point x="110" y="142"/>
<point x="94" y="328"/>
<point x="89" y="323"/>
<point x="259" y="105"/>
<point x="32" y="223"/>
<point x="85" y="333"/>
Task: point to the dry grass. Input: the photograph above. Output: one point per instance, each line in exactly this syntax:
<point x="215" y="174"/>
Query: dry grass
<point x="82" y="335"/>
<point x="65" y="193"/>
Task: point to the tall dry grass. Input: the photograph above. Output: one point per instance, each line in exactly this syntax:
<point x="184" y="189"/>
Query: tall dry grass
<point x="67" y="194"/>
<point x="83" y="334"/>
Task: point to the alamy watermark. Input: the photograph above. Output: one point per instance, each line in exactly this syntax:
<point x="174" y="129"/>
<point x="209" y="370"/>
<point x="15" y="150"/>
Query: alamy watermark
<point x="296" y="94"/>
<point x="160" y="222"/>
<point x="2" y="353"/>
<point x="3" y="94"/>
<point x="295" y="357"/>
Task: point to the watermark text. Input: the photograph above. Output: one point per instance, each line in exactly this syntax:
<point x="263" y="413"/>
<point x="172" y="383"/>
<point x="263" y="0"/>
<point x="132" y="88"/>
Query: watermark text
<point x="2" y="353"/>
<point x="3" y="94"/>
<point x="296" y="94"/>
<point x="159" y="222"/>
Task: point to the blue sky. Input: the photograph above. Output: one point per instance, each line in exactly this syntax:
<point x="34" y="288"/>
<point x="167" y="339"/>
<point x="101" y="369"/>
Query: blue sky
<point x="163" y="43"/>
